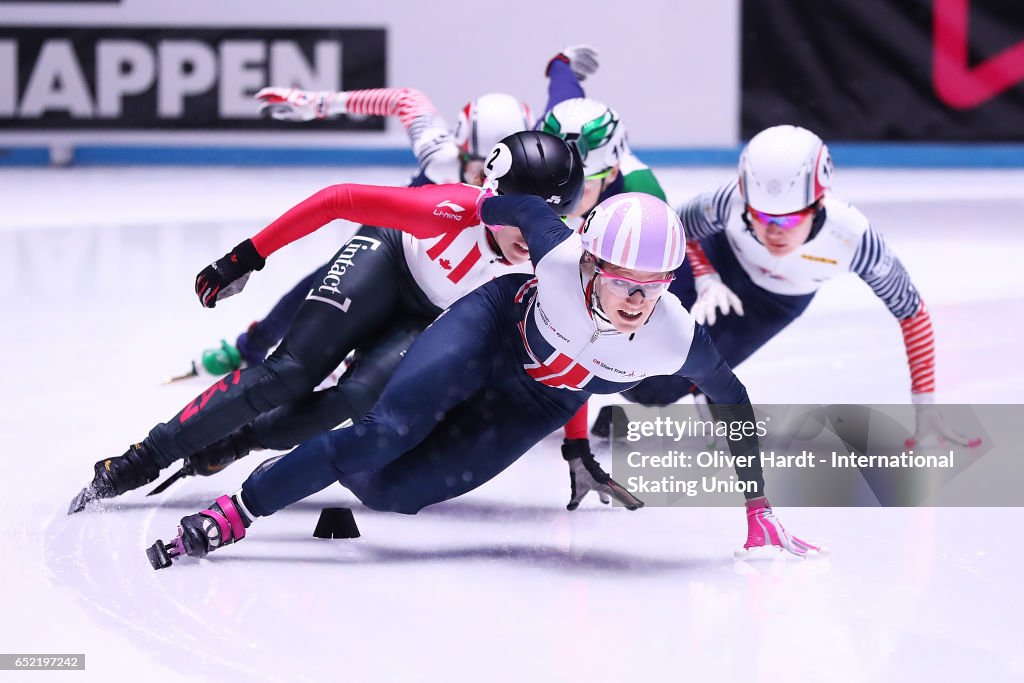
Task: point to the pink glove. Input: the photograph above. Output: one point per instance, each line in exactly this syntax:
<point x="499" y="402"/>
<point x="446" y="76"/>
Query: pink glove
<point x="765" y="531"/>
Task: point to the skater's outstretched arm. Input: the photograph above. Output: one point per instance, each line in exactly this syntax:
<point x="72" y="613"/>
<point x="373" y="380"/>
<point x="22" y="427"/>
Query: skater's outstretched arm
<point x="429" y="135"/>
<point x="426" y="211"/>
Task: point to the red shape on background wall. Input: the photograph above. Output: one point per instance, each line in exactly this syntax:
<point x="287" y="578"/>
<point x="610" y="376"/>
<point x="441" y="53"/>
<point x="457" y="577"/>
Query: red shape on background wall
<point x="957" y="84"/>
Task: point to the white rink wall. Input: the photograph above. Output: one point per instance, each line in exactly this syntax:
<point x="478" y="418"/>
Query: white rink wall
<point x="670" y="68"/>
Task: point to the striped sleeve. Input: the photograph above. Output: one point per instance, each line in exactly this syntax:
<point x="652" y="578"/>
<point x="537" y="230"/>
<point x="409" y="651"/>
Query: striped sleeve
<point x="699" y="263"/>
<point x="878" y="266"/>
<point x="708" y="213"/>
<point x="920" y="343"/>
<point x="428" y="132"/>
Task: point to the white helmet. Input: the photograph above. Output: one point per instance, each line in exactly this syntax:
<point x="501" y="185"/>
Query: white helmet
<point x="784" y="169"/>
<point x="487" y="120"/>
<point x="593" y="128"/>
<point x="635" y="230"/>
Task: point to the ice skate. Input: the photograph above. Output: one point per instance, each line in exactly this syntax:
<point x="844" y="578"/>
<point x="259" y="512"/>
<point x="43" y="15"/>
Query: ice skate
<point x="115" y="476"/>
<point x="221" y="524"/>
<point x="766" y="537"/>
<point x="610" y="423"/>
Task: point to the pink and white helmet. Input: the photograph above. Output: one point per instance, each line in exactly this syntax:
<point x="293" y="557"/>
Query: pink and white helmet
<point x="635" y="230"/>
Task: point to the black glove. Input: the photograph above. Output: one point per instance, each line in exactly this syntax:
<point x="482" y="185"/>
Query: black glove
<point x="227" y="275"/>
<point x="586" y="475"/>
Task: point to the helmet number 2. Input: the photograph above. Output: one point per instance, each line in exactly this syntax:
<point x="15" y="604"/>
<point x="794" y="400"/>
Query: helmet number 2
<point x="500" y="161"/>
<point x="490" y="162"/>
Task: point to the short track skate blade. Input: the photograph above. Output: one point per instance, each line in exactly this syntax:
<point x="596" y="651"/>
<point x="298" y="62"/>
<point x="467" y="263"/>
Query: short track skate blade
<point x="181" y="378"/>
<point x="84" y="497"/>
<point x="759" y="554"/>
<point x="158" y="555"/>
<point x="164" y="485"/>
<point x="773" y="552"/>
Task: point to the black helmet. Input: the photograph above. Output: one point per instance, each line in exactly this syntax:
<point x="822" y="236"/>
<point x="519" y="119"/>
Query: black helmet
<point x="532" y="162"/>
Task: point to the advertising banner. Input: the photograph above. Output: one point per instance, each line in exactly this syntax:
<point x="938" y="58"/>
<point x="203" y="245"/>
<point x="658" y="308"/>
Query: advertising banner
<point x="855" y="70"/>
<point x="128" y="78"/>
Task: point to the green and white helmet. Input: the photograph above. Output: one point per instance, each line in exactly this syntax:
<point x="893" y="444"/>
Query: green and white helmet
<point x="593" y="128"/>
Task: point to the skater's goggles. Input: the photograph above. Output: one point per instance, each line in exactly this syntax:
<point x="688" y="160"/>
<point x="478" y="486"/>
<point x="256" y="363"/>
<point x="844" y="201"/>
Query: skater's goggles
<point x="785" y="221"/>
<point x="623" y="286"/>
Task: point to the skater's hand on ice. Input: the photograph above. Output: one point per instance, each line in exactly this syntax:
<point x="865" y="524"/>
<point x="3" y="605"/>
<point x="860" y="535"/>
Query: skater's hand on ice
<point x="932" y="428"/>
<point x="227" y="275"/>
<point x="713" y="295"/>
<point x="586" y="475"/>
<point x="292" y="104"/>
<point x="764" y="530"/>
<point x="582" y="59"/>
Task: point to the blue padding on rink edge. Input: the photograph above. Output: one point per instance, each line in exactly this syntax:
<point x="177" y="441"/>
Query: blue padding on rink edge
<point x="847" y="155"/>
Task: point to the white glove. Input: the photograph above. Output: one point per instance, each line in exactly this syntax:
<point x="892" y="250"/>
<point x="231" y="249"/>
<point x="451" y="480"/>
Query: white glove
<point x="291" y="104"/>
<point x="932" y="427"/>
<point x="582" y="60"/>
<point x="713" y="294"/>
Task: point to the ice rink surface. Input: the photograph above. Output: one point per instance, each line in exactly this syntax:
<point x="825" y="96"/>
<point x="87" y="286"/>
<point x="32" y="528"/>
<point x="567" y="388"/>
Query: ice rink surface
<point x="97" y="269"/>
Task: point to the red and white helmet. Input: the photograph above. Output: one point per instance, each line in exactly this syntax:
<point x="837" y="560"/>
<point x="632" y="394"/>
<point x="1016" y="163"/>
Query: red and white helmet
<point x="487" y="120"/>
<point x="784" y="169"/>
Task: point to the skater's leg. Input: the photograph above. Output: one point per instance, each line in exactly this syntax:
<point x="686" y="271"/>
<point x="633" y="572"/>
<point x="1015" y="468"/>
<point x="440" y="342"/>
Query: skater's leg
<point x="449" y="363"/>
<point x="356" y="392"/>
<point x="354" y="301"/>
<point x="262" y="335"/>
<point x="477" y="440"/>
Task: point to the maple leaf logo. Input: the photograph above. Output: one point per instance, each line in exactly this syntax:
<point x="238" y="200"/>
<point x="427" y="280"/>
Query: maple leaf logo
<point x="445" y="263"/>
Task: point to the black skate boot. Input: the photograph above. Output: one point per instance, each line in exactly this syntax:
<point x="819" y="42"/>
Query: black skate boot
<point x="213" y="458"/>
<point x="610" y="423"/>
<point x="223" y="523"/>
<point x="115" y="476"/>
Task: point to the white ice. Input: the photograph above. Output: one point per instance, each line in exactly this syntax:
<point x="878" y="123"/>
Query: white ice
<point x="96" y="272"/>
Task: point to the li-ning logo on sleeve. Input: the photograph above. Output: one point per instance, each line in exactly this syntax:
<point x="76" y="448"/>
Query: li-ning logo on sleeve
<point x="553" y="199"/>
<point x="439" y="210"/>
<point x="340" y="266"/>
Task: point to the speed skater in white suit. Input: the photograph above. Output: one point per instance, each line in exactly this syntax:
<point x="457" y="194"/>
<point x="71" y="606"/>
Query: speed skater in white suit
<point x="764" y="243"/>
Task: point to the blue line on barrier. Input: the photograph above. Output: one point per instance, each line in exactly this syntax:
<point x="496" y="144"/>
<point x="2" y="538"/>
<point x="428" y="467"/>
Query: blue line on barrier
<point x="846" y="155"/>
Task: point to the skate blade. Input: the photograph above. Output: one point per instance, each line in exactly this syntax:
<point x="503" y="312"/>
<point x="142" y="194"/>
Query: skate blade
<point x="82" y="500"/>
<point x="181" y="378"/>
<point x="166" y="484"/>
<point x="771" y="553"/>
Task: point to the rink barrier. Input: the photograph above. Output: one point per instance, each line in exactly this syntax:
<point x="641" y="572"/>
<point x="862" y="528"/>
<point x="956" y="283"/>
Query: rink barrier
<point x="851" y="155"/>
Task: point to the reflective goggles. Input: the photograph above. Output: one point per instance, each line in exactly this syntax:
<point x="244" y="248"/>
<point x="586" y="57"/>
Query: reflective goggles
<point x="785" y="221"/>
<point x="623" y="286"/>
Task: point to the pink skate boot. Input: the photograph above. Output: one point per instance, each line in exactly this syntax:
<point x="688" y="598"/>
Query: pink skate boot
<point x="223" y="523"/>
